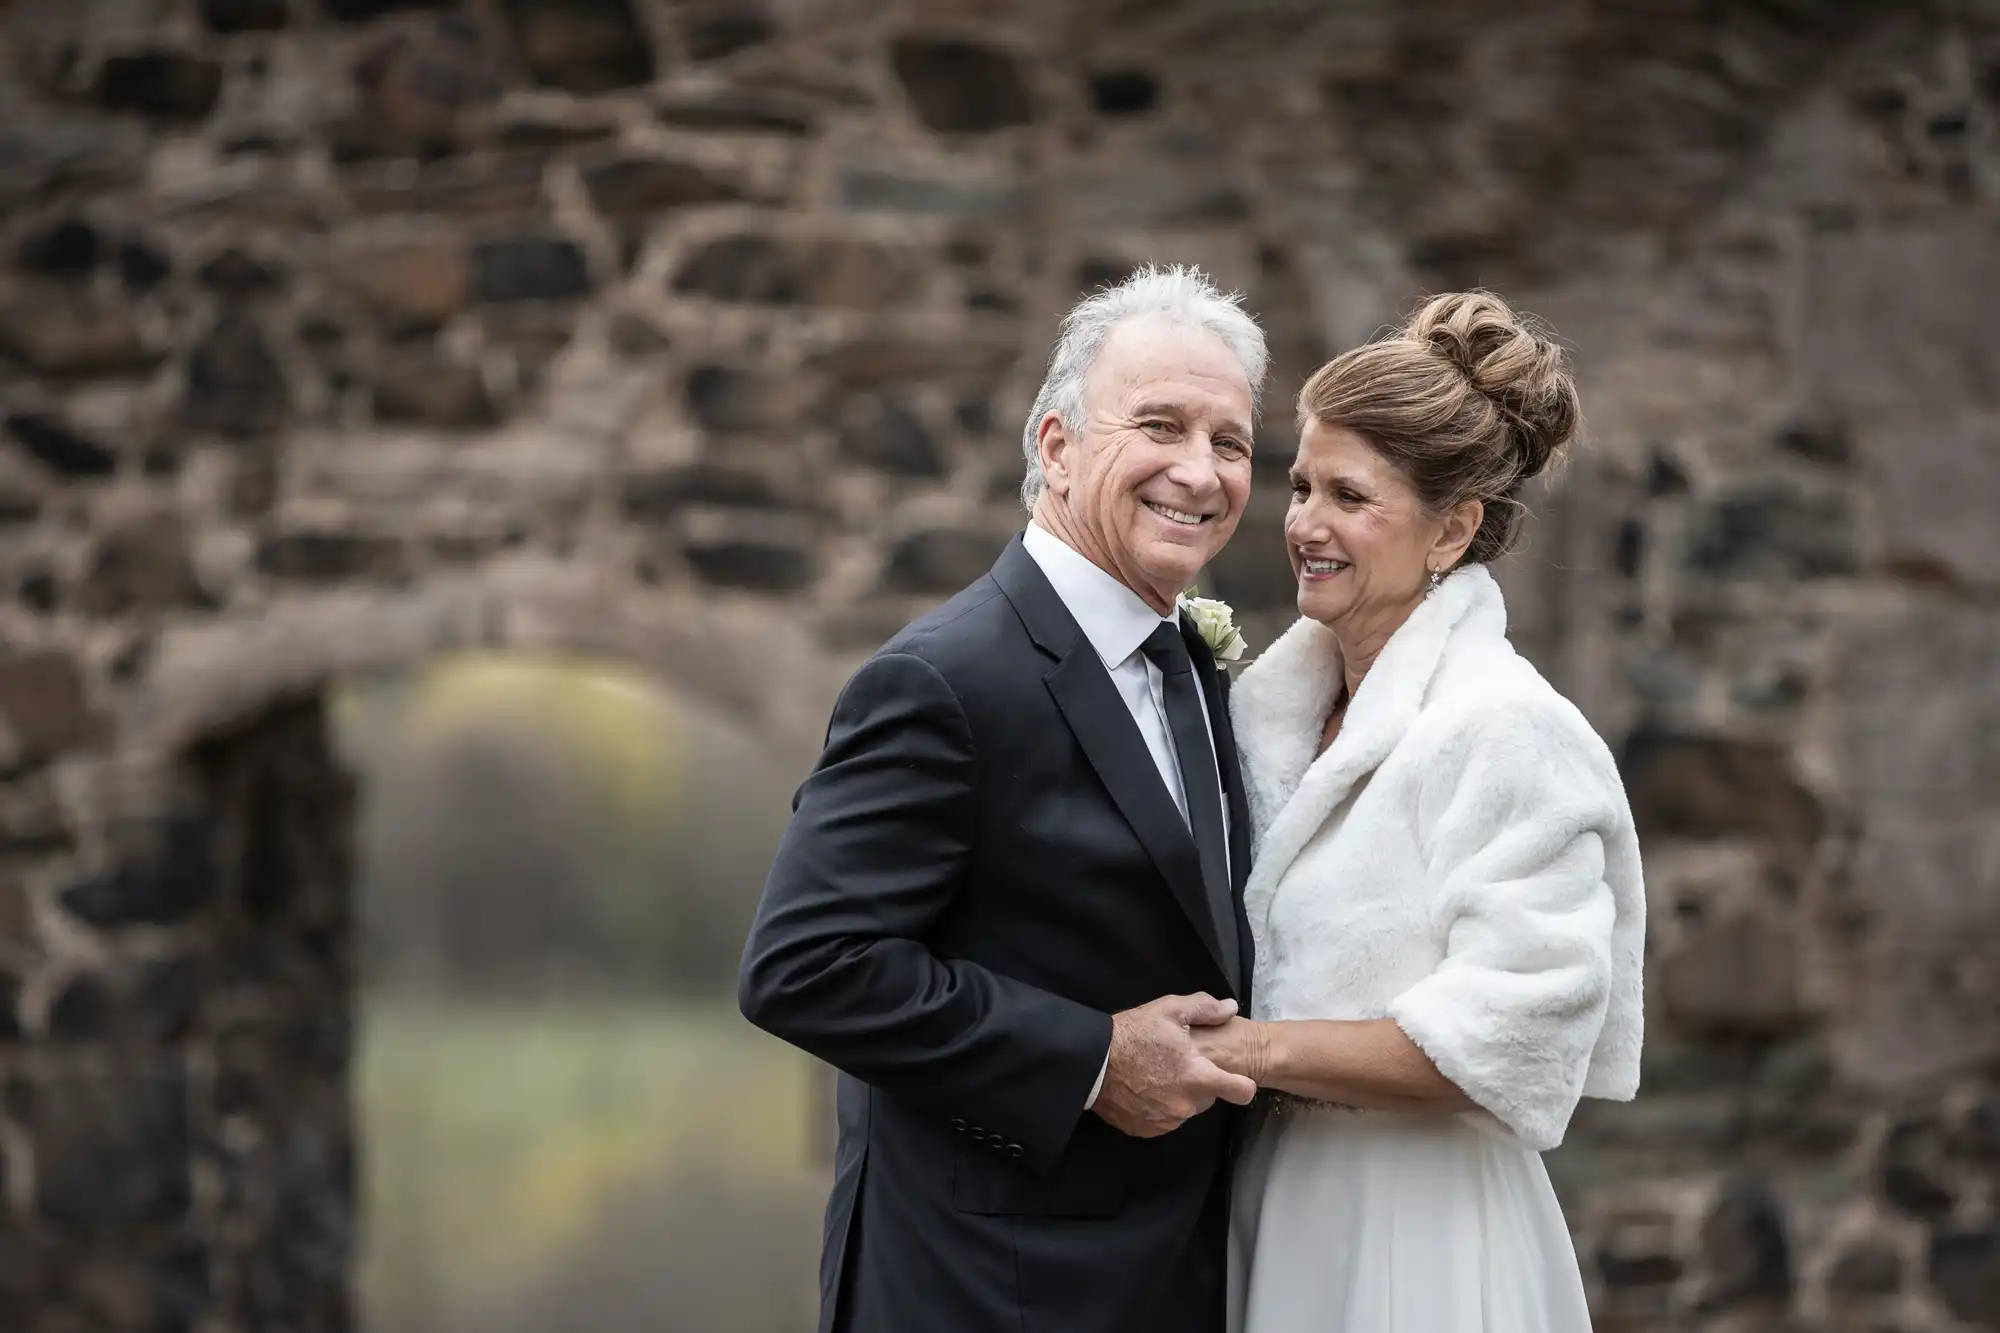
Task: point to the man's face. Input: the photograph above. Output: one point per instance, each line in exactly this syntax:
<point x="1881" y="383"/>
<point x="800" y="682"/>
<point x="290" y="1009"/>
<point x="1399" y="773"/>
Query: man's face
<point x="1153" y="483"/>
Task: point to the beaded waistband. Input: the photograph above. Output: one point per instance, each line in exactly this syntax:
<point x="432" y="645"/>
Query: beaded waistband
<point x="1273" y="1102"/>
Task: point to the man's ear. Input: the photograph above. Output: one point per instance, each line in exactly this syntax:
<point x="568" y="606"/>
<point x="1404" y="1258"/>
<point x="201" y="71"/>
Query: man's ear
<point x="1053" y="443"/>
<point x="1461" y="525"/>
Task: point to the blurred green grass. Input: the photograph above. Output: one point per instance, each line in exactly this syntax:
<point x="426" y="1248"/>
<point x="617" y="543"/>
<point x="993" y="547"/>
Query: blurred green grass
<point x="651" y="1157"/>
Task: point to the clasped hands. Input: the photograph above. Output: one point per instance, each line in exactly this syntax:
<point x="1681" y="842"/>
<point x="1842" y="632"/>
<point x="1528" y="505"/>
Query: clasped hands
<point x="1174" y="1058"/>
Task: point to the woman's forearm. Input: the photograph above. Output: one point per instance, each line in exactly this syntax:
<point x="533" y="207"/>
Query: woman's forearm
<point x="1367" y="1063"/>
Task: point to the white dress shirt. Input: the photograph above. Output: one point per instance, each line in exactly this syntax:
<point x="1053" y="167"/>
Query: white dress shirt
<point x="1117" y="621"/>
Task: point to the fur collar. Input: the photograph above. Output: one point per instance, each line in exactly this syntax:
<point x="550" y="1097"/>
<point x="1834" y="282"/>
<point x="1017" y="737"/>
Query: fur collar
<point x="1280" y="703"/>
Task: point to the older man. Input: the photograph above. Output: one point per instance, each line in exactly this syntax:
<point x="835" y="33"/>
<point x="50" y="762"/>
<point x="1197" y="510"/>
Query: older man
<point x="1014" y="879"/>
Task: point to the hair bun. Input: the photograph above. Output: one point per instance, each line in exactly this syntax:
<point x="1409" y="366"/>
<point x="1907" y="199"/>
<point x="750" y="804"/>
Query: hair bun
<point x="1513" y="360"/>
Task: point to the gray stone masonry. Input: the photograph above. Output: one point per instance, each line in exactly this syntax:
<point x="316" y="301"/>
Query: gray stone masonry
<point x="697" y="333"/>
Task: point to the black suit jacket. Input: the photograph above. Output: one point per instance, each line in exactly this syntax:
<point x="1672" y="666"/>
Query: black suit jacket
<point x="983" y="867"/>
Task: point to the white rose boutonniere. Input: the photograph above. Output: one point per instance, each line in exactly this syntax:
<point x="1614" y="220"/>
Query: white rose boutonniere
<point x="1216" y="623"/>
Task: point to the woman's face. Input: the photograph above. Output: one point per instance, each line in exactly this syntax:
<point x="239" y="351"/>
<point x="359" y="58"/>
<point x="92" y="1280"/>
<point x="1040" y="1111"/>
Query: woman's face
<point x="1361" y="543"/>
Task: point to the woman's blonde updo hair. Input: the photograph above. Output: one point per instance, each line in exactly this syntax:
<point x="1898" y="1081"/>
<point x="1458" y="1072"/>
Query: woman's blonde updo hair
<point x="1468" y="399"/>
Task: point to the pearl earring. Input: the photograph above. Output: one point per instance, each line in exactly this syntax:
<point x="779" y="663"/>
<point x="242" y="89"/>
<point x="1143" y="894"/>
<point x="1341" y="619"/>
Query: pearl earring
<point x="1437" y="577"/>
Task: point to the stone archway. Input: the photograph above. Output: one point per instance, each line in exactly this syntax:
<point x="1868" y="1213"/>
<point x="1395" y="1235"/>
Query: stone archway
<point x="181" y="1123"/>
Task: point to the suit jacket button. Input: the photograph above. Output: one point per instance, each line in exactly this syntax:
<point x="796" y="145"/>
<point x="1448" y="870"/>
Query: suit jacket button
<point x="959" y="1124"/>
<point x="1016" y="1151"/>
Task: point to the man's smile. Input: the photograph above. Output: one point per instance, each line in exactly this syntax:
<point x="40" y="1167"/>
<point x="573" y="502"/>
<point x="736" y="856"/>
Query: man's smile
<point x="1180" y="516"/>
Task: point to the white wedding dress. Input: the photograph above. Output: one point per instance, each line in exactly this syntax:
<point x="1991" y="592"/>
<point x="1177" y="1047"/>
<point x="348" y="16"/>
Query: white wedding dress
<point x="1460" y="860"/>
<point x="1379" y="1222"/>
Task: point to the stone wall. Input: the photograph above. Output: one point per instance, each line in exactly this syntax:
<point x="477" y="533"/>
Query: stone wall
<point x="334" y="333"/>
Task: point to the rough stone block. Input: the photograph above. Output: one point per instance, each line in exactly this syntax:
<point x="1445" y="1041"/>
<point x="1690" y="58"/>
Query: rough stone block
<point x="228" y="17"/>
<point x="583" y="46"/>
<point x="420" y="283"/>
<point x="1937" y="487"/>
<point x="234" y="384"/>
<point x="152" y="1001"/>
<point x="163" y="872"/>
<point x="1745" y="1248"/>
<point x="67" y="248"/>
<point x="1918" y="682"/>
<point x="1916" y="1178"/>
<point x="884" y="432"/>
<point x="59" y="447"/>
<point x="357" y="11"/>
<point x="17" y="920"/>
<point x="631" y="187"/>
<point x="1716" y="787"/>
<point x="961" y="87"/>
<point x="1152" y="196"/>
<point x="867" y="188"/>
<point x="111" y="1149"/>
<point x="62" y="335"/>
<point x="843" y="272"/>
<point x="941" y="560"/>
<point x="1920" y="912"/>
<point x="21" y="502"/>
<point x="28" y="1275"/>
<point x="141" y="564"/>
<point x="1868" y="1267"/>
<point x="10" y="1030"/>
<point x="1123" y="92"/>
<point x="737" y="398"/>
<point x="424" y="90"/>
<point x="141" y="266"/>
<point x="43" y="703"/>
<point x="1977" y="1136"/>
<point x="741" y="111"/>
<point x="235" y="273"/>
<point x="424" y="388"/>
<point x="332" y="557"/>
<point x="652" y="496"/>
<point x="713" y="35"/>
<point x="165" y="84"/>
<point x="485" y="190"/>
<point x="1637" y="1250"/>
<point x="1965" y="1267"/>
<point x="528" y="268"/>
<point x="1828" y="442"/>
<point x="1739" y="975"/>
<point x="881" y="360"/>
<point x="1770" y="529"/>
<point x="1936" y="348"/>
<point x="127" y="1288"/>
<point x="760" y="565"/>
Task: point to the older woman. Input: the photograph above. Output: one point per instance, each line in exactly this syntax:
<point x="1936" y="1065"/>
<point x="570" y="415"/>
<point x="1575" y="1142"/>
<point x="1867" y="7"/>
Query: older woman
<point x="1446" y="900"/>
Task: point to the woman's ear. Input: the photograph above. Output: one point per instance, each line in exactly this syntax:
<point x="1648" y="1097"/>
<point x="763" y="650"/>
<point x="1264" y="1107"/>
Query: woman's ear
<point x="1461" y="525"/>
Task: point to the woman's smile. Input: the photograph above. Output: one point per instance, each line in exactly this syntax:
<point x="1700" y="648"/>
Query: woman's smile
<point x="1314" y="569"/>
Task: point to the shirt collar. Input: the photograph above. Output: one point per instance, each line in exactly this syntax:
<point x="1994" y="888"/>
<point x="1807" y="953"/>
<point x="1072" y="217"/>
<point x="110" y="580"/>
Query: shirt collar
<point x="1113" y="617"/>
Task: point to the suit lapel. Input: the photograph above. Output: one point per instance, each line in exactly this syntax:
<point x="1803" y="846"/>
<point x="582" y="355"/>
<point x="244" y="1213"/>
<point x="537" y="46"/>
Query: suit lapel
<point x="1089" y="703"/>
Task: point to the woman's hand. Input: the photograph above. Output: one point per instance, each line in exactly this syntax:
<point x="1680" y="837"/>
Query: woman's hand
<point x="1240" y="1046"/>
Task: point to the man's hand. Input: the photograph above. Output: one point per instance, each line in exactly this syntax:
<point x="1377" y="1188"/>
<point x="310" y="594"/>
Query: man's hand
<point x="1155" y="1080"/>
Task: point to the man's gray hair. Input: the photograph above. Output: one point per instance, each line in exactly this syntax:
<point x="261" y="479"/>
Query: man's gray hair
<point x="1177" y="292"/>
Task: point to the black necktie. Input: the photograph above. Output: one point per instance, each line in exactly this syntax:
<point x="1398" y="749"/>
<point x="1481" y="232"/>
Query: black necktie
<point x="1186" y="722"/>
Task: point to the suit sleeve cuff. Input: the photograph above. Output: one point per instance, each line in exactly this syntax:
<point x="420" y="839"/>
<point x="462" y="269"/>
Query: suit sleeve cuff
<point x="1098" y="1086"/>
